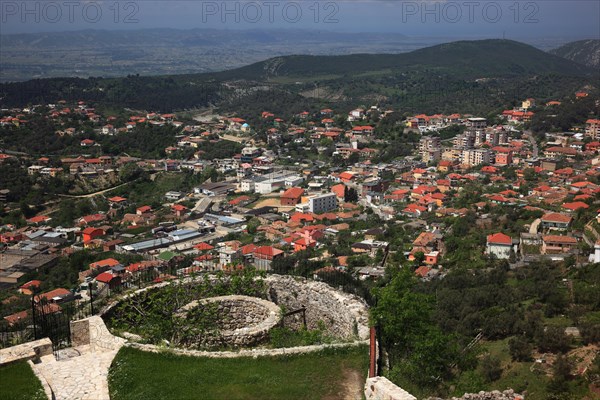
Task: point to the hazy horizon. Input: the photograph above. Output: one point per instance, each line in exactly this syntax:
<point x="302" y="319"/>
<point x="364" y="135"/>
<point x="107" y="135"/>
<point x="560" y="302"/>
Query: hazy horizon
<point x="478" y="19"/>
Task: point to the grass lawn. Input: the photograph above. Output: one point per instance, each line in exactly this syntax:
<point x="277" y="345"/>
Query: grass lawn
<point x="20" y="383"/>
<point x="331" y="374"/>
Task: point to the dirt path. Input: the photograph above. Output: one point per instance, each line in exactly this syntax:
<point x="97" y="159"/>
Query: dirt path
<point x="351" y="388"/>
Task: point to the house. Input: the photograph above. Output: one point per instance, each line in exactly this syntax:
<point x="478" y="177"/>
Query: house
<point x="179" y="209"/>
<point x="574" y="206"/>
<point x="91" y="233"/>
<point x="414" y="210"/>
<point x="91" y="219"/>
<point x="117" y="201"/>
<point x="264" y="256"/>
<point x="304" y="243"/>
<point x="14" y="319"/>
<point x="106" y="279"/>
<point x="104" y="265"/>
<point x="556" y="152"/>
<point x="554" y="244"/>
<point x="30" y="287"/>
<point x="143" y="210"/>
<point x="173" y="195"/>
<point x="54" y="296"/>
<point x="555" y="221"/>
<point x="499" y="245"/>
<point x="203" y="246"/>
<point x="38" y="220"/>
<point x="292" y="196"/>
<point x="87" y="143"/>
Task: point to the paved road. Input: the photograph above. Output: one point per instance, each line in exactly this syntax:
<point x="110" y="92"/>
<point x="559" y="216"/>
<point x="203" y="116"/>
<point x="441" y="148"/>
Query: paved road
<point x="534" y="144"/>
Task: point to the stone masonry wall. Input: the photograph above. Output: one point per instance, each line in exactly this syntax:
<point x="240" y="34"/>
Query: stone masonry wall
<point x="242" y="321"/>
<point x="380" y="388"/>
<point x="26" y="351"/>
<point x="344" y="316"/>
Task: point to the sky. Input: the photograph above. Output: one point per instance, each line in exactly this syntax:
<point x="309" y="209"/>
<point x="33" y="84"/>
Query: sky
<point x="431" y="18"/>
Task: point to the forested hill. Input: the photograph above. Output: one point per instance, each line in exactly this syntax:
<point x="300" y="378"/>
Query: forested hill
<point x="468" y="59"/>
<point x="448" y="68"/>
<point x="586" y="52"/>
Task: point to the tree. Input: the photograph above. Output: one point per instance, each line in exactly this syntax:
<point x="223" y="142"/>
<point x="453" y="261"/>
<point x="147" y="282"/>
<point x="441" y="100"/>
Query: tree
<point x="553" y="340"/>
<point x="252" y="225"/>
<point x="491" y="368"/>
<point x="519" y="348"/>
<point x="419" y="257"/>
<point x="418" y="350"/>
<point x="350" y="195"/>
<point x="561" y="374"/>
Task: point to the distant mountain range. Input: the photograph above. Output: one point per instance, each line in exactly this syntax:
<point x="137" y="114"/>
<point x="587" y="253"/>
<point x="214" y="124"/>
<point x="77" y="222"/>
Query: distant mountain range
<point x="463" y="76"/>
<point x="171" y="51"/>
<point x="175" y="51"/>
<point x="585" y="52"/>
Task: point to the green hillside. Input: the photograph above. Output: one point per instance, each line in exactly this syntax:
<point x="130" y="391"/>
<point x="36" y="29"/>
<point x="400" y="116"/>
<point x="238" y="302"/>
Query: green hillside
<point x="469" y="59"/>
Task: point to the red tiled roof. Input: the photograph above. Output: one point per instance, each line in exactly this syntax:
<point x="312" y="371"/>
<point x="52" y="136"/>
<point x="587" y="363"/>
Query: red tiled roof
<point x="556" y="217"/>
<point x="30" y="284"/>
<point x="248" y="249"/>
<point x="576" y="205"/>
<point x="338" y="190"/>
<point x="203" y="246"/>
<point x="105" y="277"/>
<point x="268" y="251"/>
<point x="559" y="239"/>
<point x="293" y="193"/>
<point x="53" y="293"/>
<point x="499" y="238"/>
<point x="108" y="262"/>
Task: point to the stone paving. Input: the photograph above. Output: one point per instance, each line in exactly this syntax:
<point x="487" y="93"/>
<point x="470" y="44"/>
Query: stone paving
<point x="81" y="373"/>
<point x="82" y="377"/>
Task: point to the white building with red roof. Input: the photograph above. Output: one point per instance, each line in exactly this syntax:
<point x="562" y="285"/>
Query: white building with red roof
<point x="499" y="245"/>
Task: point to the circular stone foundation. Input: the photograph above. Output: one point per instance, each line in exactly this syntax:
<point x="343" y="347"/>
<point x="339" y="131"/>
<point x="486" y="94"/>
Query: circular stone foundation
<point x="340" y="315"/>
<point x="240" y="320"/>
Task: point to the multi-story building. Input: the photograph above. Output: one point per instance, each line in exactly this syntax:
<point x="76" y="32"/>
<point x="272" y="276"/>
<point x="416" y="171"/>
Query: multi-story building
<point x="451" y="154"/>
<point x="465" y="140"/>
<point x="322" y="203"/>
<point x="319" y="203"/>
<point x="431" y="155"/>
<point x="429" y="142"/>
<point x="473" y="157"/>
<point x="476" y="123"/>
<point x="503" y="156"/>
<point x="592" y="128"/>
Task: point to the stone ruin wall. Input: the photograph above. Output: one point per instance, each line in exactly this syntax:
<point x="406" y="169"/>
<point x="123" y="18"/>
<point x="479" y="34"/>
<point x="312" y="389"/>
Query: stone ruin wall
<point x="344" y="316"/>
<point x="243" y="321"/>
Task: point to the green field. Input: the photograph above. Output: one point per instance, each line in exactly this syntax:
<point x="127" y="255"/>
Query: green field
<point x="330" y="374"/>
<point x="18" y="382"/>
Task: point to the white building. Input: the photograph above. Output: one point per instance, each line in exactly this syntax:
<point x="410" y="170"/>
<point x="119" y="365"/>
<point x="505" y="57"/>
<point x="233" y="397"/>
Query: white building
<point x="322" y="203"/>
<point x="499" y="245"/>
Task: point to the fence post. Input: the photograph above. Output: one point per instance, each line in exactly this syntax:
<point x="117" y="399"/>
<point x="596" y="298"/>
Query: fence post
<point x="372" y="353"/>
<point x="91" y="298"/>
<point x="33" y="316"/>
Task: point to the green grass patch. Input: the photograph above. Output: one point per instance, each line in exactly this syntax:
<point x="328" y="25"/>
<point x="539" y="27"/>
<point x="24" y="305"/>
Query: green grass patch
<point x="560" y="321"/>
<point x="135" y="374"/>
<point x="20" y="383"/>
